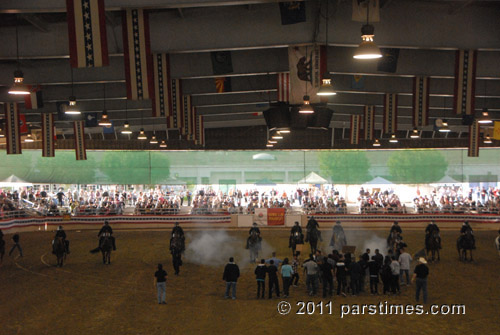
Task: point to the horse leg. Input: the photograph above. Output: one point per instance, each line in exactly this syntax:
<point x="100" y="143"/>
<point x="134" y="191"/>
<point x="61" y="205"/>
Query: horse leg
<point x="471" y="255"/>
<point x="439" y="258"/>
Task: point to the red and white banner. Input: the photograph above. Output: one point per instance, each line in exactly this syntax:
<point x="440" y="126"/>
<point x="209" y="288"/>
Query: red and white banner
<point x="284" y="87"/>
<point x="48" y="134"/>
<point x="390" y="113"/>
<point x="421" y="101"/>
<point x="307" y="66"/>
<point x="473" y="140"/>
<point x="174" y="120"/>
<point x="79" y="127"/>
<point x="275" y="216"/>
<point x="33" y="100"/>
<point x="137" y="55"/>
<point x="369" y="115"/>
<point x="355" y="128"/>
<point x="88" y="44"/>
<point x="465" y="81"/>
<point x="12" y="131"/>
<point x="23" y="126"/>
<point x="161" y="103"/>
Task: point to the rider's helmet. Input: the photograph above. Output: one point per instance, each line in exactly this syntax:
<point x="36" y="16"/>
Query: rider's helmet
<point x="60" y="228"/>
<point x="177" y="224"/>
<point x="106" y="222"/>
<point x="296" y="223"/>
<point x="255" y="224"/>
<point x="338" y="222"/>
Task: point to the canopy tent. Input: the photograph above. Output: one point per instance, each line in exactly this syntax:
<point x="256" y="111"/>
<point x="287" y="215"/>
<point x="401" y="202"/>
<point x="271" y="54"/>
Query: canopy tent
<point x="446" y="180"/>
<point x="379" y="181"/>
<point x="14" y="181"/>
<point x="172" y="181"/>
<point x="313" y="178"/>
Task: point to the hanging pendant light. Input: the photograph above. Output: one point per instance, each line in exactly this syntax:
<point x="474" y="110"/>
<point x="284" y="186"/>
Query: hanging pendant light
<point x="487" y="140"/>
<point x="284" y="130"/>
<point x="326" y="88"/>
<point x="272" y="141"/>
<point x="306" y="107"/>
<point x="163" y="144"/>
<point x="376" y="143"/>
<point x="72" y="109"/>
<point x="126" y="128"/>
<point x="277" y="136"/>
<point x="153" y="140"/>
<point x="485" y="117"/>
<point x="393" y="139"/>
<point x="104" y="122"/>
<point x="1" y="133"/>
<point x="444" y="128"/>
<point x="367" y="49"/>
<point x="269" y="145"/>
<point x="18" y="88"/>
<point x="29" y="138"/>
<point x="142" y="135"/>
<point x="414" y="133"/>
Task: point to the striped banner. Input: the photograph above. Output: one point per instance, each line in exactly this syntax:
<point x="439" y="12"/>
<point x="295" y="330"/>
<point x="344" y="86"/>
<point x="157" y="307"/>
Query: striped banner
<point x="421" y="101"/>
<point x="187" y="117"/>
<point x="355" y="128"/>
<point x="174" y="119"/>
<point x="390" y="113"/>
<point x="88" y="44"/>
<point x="48" y="134"/>
<point x="79" y="127"/>
<point x="137" y="52"/>
<point x="200" y="130"/>
<point x="284" y="87"/>
<point x="473" y="140"/>
<point x="465" y="82"/>
<point x="369" y="122"/>
<point x="161" y="102"/>
<point x="33" y="100"/>
<point x="12" y="132"/>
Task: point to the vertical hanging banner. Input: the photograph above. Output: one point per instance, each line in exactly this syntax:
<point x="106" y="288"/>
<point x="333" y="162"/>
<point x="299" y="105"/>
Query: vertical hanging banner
<point x="174" y="120"/>
<point x="473" y="140"/>
<point x="200" y="130"/>
<point x="223" y="85"/>
<point x="283" y="87"/>
<point x="34" y="100"/>
<point x="79" y="127"/>
<point x="48" y="134"/>
<point x="88" y="44"/>
<point x="23" y="126"/>
<point x="355" y="128"/>
<point x="369" y="130"/>
<point x="161" y="102"/>
<point x="12" y="132"/>
<point x="187" y="116"/>
<point x="421" y="101"/>
<point x="390" y="113"/>
<point x="137" y="53"/>
<point x="465" y="81"/>
<point x="306" y="66"/>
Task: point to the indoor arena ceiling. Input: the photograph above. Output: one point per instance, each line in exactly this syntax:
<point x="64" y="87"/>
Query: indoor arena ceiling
<point x="427" y="34"/>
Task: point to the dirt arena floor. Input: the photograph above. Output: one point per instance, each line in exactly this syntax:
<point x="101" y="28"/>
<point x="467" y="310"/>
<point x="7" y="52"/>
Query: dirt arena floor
<point x="87" y="297"/>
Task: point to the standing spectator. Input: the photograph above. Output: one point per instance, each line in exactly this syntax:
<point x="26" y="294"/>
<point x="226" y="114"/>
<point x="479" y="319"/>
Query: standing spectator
<point x="497" y="243"/>
<point x="404" y="262"/>
<point x="386" y="274"/>
<point x="260" y="274"/>
<point x="15" y="239"/>
<point x="295" y="267"/>
<point x="231" y="274"/>
<point x="340" y="272"/>
<point x="276" y="260"/>
<point x="356" y="271"/>
<point x="311" y="269"/>
<point x="373" y="268"/>
<point x="395" y="271"/>
<point x="420" y="274"/>
<point x="379" y="258"/>
<point x="286" y="274"/>
<point x="327" y="277"/>
<point x="161" y="284"/>
<point x="272" y="270"/>
<point x="188" y="195"/>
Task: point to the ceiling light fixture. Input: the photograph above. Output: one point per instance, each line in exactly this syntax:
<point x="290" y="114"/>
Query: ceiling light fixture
<point x="29" y="139"/>
<point x="393" y="139"/>
<point x="277" y="137"/>
<point x="376" y="143"/>
<point x="272" y="141"/>
<point x="269" y="145"/>
<point x="326" y="88"/>
<point x="142" y="135"/>
<point x="306" y="107"/>
<point x="163" y="144"/>
<point x="414" y="133"/>
<point x="485" y="117"/>
<point x="284" y="130"/>
<point x="153" y="140"/>
<point x="367" y="49"/>
<point x="444" y="128"/>
<point x="1" y="132"/>
<point x="18" y="88"/>
<point x="126" y="128"/>
<point x="487" y="140"/>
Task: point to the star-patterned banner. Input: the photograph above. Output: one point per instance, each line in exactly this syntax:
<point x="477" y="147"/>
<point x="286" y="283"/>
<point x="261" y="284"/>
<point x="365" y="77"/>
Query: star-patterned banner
<point x="79" y="127"/>
<point x="390" y="113"/>
<point x="137" y="53"/>
<point x="465" y="82"/>
<point x="421" y="101"/>
<point x="369" y="122"/>
<point x="88" y="44"/>
<point x="162" y="106"/>
<point x="188" y="118"/>
<point x="12" y="131"/>
<point x="355" y="128"/>
<point x="48" y="134"/>
<point x="473" y="140"/>
<point x="174" y="120"/>
<point x="200" y="130"/>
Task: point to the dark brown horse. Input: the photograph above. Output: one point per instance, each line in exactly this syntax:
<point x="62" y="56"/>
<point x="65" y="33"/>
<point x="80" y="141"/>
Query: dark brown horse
<point x="59" y="249"/>
<point x="465" y="242"/>
<point x="432" y="245"/>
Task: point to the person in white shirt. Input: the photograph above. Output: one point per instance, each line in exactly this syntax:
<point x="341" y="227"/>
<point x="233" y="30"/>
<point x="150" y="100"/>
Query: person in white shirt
<point x="404" y="262"/>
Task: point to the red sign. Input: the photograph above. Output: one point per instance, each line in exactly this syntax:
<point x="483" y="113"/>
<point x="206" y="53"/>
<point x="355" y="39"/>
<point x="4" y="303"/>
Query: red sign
<point x="275" y="216"/>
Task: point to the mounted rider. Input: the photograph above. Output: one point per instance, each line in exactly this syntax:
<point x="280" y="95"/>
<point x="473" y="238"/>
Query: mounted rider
<point x="431" y="228"/>
<point x="338" y="232"/>
<point x="296" y="229"/>
<point x="62" y="234"/>
<point x="106" y="230"/>
<point x="396" y="228"/>
<point x="178" y="231"/>
<point x="256" y="230"/>
<point x="465" y="229"/>
<point x="313" y="224"/>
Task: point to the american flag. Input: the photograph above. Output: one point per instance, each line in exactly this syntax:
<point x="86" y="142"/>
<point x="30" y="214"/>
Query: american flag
<point x="34" y="100"/>
<point x="88" y="44"/>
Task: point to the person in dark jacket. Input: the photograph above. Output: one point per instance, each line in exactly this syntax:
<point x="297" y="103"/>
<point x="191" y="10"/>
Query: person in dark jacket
<point x="61" y="233"/>
<point x="326" y="276"/>
<point x="355" y="270"/>
<point x="373" y="268"/>
<point x="15" y="239"/>
<point x="272" y="271"/>
<point x="260" y="274"/>
<point x="106" y="229"/>
<point x="231" y="275"/>
<point x="386" y="274"/>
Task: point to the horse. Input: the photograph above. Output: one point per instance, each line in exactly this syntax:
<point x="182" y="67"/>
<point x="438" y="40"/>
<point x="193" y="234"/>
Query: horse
<point x="106" y="247"/>
<point x="313" y="235"/>
<point x="59" y="249"/>
<point x="176" y="249"/>
<point x="391" y="242"/>
<point x="432" y="245"/>
<point x="464" y="243"/>
<point x="296" y="238"/>
<point x="2" y="249"/>
<point x="254" y="246"/>
<point x="338" y="240"/>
